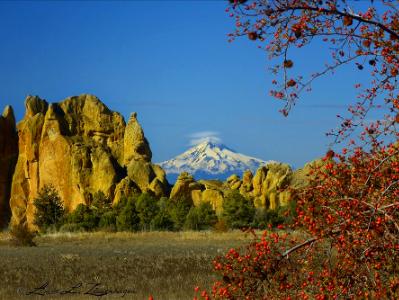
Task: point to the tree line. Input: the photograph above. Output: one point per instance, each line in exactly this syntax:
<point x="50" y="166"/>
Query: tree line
<point x="145" y="212"/>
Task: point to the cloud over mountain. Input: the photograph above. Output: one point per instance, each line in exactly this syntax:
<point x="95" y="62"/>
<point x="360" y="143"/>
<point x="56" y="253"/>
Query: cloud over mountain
<point x="204" y="136"/>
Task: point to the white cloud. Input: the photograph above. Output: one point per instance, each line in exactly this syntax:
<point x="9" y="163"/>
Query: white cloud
<point x="202" y="136"/>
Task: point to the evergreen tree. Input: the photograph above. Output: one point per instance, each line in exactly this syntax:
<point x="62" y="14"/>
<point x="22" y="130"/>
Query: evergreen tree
<point x="101" y="201"/>
<point x="84" y="217"/>
<point x="163" y="220"/>
<point x="201" y="217"/>
<point x="238" y="211"/>
<point x="178" y="209"/>
<point x="49" y="208"/>
<point x="128" y="219"/>
<point x="108" y="220"/>
<point x="147" y="208"/>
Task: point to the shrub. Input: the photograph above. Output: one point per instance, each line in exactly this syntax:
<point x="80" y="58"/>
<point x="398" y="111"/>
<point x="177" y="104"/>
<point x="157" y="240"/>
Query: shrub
<point x="238" y="212"/>
<point x="178" y="209"/>
<point x="49" y="209"/>
<point x="76" y="216"/>
<point x="163" y="220"/>
<point x="22" y="236"/>
<point x="348" y="246"/>
<point x="288" y="212"/>
<point x="90" y="219"/>
<point x="128" y="219"/>
<point x="349" y="208"/>
<point x="118" y="207"/>
<point x="101" y="201"/>
<point x="221" y="226"/>
<point x="147" y="208"/>
<point x="85" y="217"/>
<point x="108" y="220"/>
<point x="265" y="218"/>
<point x="201" y="217"/>
<point x="192" y="219"/>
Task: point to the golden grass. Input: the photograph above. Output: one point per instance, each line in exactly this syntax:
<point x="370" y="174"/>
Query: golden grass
<point x="167" y="265"/>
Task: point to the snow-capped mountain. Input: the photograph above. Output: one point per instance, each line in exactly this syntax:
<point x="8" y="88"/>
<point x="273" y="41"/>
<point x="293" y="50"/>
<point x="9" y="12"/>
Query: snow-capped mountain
<point x="209" y="160"/>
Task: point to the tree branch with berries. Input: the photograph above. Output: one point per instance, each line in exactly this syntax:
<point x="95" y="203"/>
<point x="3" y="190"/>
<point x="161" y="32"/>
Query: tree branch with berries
<point x="345" y="240"/>
<point x="367" y="39"/>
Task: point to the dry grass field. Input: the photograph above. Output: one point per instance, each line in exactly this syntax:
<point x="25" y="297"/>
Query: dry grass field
<point x="166" y="265"/>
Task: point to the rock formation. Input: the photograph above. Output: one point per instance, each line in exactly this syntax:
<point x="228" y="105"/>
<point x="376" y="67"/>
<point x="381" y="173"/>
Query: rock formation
<point x="137" y="157"/>
<point x="124" y="188"/>
<point x="211" y="194"/>
<point x="80" y="147"/>
<point x="136" y="146"/>
<point x="266" y="188"/>
<point x="8" y="159"/>
<point x="211" y="191"/>
<point x="267" y="183"/>
<point x="246" y="185"/>
<point x="234" y="182"/>
<point x="184" y="185"/>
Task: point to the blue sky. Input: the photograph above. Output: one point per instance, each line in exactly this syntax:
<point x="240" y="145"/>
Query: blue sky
<point x="171" y="63"/>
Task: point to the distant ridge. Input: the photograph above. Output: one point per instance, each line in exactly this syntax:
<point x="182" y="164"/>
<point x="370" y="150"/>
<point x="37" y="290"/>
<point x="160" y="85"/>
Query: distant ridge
<point x="210" y="160"/>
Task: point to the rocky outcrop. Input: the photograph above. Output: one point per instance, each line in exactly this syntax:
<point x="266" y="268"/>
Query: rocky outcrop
<point x="8" y="159"/>
<point x="148" y="177"/>
<point x="136" y="146"/>
<point x="183" y="187"/>
<point x="87" y="117"/>
<point x="211" y="191"/>
<point x="234" y="182"/>
<point x="80" y="147"/>
<point x="213" y="196"/>
<point x="268" y="183"/>
<point x="137" y="157"/>
<point x="267" y="188"/>
<point x="246" y="185"/>
<point x="125" y="188"/>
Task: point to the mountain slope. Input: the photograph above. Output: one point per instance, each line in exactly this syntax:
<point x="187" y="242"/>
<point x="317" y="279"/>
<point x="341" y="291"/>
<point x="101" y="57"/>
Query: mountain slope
<point x="210" y="161"/>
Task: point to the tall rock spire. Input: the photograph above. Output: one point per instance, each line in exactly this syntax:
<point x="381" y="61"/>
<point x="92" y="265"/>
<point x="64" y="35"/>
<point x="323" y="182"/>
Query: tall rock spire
<point x="136" y="146"/>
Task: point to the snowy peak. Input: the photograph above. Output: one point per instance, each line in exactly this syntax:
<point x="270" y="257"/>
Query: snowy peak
<point x="210" y="160"/>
